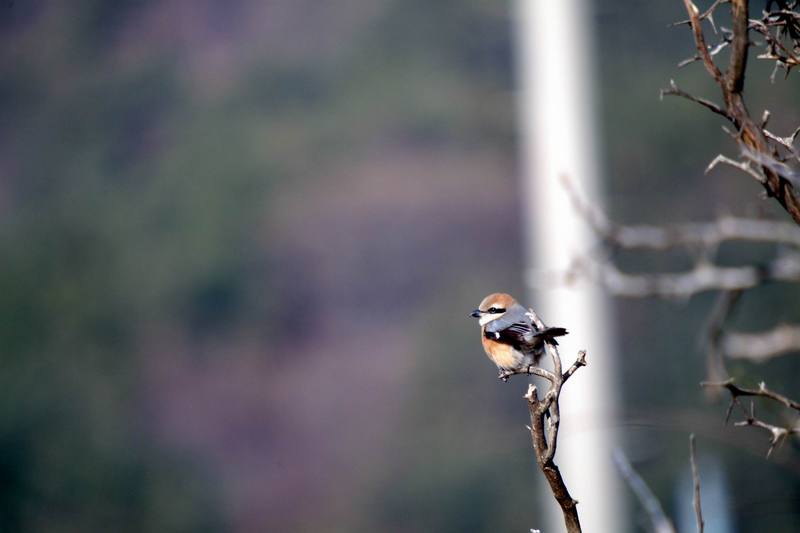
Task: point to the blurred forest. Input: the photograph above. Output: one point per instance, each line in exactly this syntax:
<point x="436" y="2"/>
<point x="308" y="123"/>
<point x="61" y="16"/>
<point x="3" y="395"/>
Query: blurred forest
<point x="240" y="241"/>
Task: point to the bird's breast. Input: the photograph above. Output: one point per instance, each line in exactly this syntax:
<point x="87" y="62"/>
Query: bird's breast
<point x="502" y="355"/>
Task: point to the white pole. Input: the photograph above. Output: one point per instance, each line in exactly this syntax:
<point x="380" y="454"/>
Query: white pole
<point x="555" y="67"/>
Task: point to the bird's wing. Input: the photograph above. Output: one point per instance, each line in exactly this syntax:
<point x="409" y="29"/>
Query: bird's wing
<point x="514" y="327"/>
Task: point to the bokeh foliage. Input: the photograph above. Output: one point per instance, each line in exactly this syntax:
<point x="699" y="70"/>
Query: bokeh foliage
<point x="145" y="169"/>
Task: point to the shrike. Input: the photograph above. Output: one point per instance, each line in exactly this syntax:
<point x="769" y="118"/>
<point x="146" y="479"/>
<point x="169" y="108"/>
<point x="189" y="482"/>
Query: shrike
<point x="508" y="334"/>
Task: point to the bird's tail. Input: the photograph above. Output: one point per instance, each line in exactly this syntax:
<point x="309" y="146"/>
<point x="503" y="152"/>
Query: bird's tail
<point x="549" y="334"/>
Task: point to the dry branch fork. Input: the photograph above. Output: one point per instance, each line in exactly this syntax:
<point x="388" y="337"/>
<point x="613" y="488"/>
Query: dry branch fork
<point x="545" y="419"/>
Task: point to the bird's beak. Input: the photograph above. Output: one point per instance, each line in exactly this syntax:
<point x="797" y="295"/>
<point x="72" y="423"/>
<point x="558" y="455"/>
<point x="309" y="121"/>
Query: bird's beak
<point x="476" y="313"/>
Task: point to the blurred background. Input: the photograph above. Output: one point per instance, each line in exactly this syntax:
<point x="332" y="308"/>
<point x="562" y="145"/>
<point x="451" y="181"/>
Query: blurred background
<point x="240" y="241"/>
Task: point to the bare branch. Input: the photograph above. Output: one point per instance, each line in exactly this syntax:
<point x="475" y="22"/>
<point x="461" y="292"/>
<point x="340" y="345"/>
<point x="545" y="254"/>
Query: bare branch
<point x="704" y="277"/>
<point x="683" y="63"/>
<point x="696" y="479"/>
<point x="787" y="142"/>
<point x="530" y="371"/>
<point x="651" y="505"/>
<point x="775" y="50"/>
<point x="762" y="392"/>
<point x="674" y="90"/>
<point x="760" y="347"/>
<point x="537" y="409"/>
<point x="708" y="14"/>
<point x="545" y="420"/>
<point x="777" y="434"/>
<point x="700" y="41"/>
<point x="767" y="161"/>
<point x="723" y="308"/>
<point x="579" y="362"/>
<point x="744" y="166"/>
<point x="713" y="51"/>
<point x="777" y="183"/>
<point x="734" y="77"/>
<point x="708" y="234"/>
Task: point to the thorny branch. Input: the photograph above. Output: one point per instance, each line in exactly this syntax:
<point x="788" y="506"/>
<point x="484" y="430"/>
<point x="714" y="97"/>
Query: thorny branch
<point x="674" y="90"/>
<point x="545" y="420"/>
<point x="780" y="29"/>
<point x="762" y="392"/>
<point x="777" y="433"/>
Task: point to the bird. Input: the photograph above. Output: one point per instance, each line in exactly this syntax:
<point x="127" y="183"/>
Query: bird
<point x="511" y="339"/>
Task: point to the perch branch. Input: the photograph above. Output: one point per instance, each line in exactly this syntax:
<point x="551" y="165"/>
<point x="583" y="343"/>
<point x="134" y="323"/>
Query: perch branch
<point x="545" y="420"/>
<point x="529" y="371"/>
<point x="538" y="409"/>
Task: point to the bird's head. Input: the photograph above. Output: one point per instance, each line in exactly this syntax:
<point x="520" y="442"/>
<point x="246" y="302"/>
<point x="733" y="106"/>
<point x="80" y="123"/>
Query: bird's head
<point x="493" y="307"/>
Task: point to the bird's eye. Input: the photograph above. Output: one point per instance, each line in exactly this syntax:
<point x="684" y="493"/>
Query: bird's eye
<point x="496" y="310"/>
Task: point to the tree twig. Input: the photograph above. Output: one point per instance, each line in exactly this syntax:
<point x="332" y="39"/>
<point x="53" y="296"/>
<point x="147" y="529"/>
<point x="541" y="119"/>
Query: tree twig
<point x="579" y="362"/>
<point x="698" y="512"/>
<point x="529" y="371"/>
<point x="700" y="41"/>
<point x="708" y="234"/>
<point x="762" y="392"/>
<point x="744" y="166"/>
<point x="723" y="308"/>
<point x="777" y="433"/>
<point x="674" y="90"/>
<point x="650" y="504"/>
